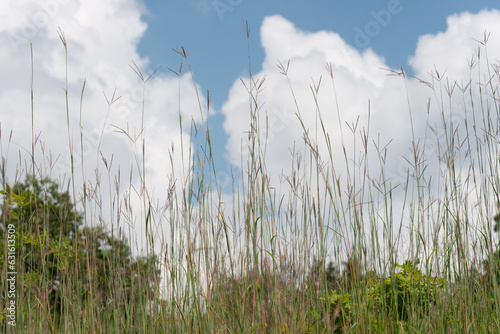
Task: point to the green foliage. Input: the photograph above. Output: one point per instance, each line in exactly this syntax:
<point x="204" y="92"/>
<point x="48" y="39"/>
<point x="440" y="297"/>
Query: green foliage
<point x="55" y="255"/>
<point x="405" y="294"/>
<point x="41" y="203"/>
<point x="410" y="290"/>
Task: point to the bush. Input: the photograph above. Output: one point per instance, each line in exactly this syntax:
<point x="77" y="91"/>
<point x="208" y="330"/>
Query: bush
<point x="404" y="295"/>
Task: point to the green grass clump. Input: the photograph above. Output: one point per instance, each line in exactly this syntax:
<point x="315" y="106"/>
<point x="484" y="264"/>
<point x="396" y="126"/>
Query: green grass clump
<point x="378" y="301"/>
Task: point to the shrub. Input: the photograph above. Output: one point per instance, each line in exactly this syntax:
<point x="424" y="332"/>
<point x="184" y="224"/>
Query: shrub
<point x="403" y="295"/>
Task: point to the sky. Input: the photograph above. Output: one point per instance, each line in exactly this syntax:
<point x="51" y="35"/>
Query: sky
<point x="213" y="32"/>
<point x="110" y="42"/>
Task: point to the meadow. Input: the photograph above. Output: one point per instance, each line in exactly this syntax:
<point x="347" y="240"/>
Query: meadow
<point x="322" y="253"/>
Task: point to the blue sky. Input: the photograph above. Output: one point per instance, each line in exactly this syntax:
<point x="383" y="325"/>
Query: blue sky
<point x="104" y="37"/>
<point x="213" y="32"/>
<point x="218" y="44"/>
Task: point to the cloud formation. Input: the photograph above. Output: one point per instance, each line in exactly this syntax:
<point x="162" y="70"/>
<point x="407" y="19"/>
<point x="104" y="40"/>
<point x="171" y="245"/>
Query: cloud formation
<point x="102" y="40"/>
<point x="360" y="78"/>
<point x="378" y="107"/>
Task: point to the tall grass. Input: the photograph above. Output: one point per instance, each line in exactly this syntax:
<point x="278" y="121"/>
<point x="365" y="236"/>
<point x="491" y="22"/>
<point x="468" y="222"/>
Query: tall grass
<point x="319" y="253"/>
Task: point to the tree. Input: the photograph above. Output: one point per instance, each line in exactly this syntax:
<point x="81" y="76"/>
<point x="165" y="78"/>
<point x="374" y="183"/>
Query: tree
<point x="60" y="264"/>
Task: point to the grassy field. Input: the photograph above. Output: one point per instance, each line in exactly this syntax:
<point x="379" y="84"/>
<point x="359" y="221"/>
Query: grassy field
<point x="323" y="257"/>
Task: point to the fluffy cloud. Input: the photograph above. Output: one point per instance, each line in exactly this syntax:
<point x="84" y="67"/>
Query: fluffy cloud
<point x="450" y="50"/>
<point x="360" y="78"/>
<point x="373" y="107"/>
<point x="102" y="39"/>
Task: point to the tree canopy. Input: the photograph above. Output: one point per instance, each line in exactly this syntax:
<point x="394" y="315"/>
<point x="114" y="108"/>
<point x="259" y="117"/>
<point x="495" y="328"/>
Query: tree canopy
<point x="60" y="263"/>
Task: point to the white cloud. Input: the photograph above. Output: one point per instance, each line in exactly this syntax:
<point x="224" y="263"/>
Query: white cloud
<point x="450" y="50"/>
<point x="359" y="78"/>
<point x="102" y="39"/>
